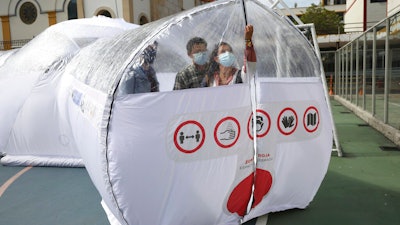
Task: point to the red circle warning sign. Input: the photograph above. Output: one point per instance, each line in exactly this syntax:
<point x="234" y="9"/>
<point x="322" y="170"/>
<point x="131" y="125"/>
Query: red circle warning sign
<point x="262" y="125"/>
<point x="311" y="119"/>
<point x="227" y="132"/>
<point x="189" y="136"/>
<point x="287" y="121"/>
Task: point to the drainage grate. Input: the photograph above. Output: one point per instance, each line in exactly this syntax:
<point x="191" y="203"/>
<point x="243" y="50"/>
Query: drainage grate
<point x="389" y="148"/>
<point x="363" y="125"/>
<point x="345" y="112"/>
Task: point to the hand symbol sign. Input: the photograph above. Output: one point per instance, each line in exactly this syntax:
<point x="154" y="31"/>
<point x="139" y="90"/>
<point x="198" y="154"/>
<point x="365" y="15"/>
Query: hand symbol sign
<point x="288" y="122"/>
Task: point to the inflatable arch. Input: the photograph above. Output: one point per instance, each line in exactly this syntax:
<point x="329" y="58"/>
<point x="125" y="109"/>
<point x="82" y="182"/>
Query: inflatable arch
<point x="186" y="156"/>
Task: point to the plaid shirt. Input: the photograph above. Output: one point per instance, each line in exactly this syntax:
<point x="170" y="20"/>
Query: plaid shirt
<point x="190" y="77"/>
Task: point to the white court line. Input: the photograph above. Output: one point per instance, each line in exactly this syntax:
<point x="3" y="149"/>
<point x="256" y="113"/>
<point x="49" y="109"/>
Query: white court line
<point x="394" y="104"/>
<point x="262" y="220"/>
<point x="4" y="187"/>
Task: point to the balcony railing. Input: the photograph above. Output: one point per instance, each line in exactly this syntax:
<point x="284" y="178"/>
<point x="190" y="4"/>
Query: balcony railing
<point x="7" y="45"/>
<point x="367" y="76"/>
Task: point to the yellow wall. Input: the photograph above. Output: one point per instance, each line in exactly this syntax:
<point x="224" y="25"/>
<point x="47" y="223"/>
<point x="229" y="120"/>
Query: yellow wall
<point x="52" y="18"/>
<point x="5" y="24"/>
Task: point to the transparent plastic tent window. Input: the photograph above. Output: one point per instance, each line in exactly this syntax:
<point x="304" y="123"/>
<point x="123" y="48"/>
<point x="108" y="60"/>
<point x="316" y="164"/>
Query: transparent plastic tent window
<point x="282" y="51"/>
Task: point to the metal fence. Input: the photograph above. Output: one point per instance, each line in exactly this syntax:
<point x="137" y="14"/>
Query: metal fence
<point x="367" y="76"/>
<point x="6" y="45"/>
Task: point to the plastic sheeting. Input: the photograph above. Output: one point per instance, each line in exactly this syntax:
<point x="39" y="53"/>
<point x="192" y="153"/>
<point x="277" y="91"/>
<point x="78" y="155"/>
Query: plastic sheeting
<point x="187" y="156"/>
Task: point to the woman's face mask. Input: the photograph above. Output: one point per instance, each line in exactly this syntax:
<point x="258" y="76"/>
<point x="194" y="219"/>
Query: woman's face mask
<point x="200" y="58"/>
<point x="227" y="59"/>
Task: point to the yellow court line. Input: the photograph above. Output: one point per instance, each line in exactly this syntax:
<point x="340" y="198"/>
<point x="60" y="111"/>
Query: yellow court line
<point x="4" y="187"/>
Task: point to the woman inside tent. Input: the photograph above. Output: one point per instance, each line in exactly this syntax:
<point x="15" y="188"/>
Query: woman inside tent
<point x="222" y="70"/>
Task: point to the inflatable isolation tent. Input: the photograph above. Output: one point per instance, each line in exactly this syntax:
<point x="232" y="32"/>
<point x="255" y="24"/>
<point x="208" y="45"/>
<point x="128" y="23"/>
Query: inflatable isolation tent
<point x="34" y="127"/>
<point x="217" y="155"/>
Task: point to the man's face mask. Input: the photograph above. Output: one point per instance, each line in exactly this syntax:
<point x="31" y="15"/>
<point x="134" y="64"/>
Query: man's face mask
<point x="200" y="58"/>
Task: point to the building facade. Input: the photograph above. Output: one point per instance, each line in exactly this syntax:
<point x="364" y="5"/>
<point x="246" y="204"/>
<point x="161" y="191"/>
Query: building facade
<point x="134" y="11"/>
<point x="363" y="14"/>
<point x="393" y="6"/>
<point x="22" y="20"/>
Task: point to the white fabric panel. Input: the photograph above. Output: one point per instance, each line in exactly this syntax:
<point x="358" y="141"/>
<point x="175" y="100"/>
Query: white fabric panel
<point x="21" y="74"/>
<point x="155" y="181"/>
<point x="40" y="112"/>
<point x="5" y="54"/>
<point x="110" y="216"/>
<point x="292" y="161"/>
<point x="84" y="110"/>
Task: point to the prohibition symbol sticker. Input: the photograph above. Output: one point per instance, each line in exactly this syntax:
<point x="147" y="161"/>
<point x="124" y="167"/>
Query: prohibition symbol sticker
<point x="189" y="136"/>
<point x="287" y="121"/>
<point x="311" y="119"/>
<point x="226" y="132"/>
<point x="263" y="124"/>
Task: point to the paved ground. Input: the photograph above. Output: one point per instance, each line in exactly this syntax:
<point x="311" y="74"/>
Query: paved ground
<point x="363" y="187"/>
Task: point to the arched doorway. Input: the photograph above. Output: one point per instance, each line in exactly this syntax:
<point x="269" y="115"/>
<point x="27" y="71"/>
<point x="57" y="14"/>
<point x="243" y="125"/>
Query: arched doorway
<point x="143" y="20"/>
<point x="72" y="10"/>
<point x="104" y="13"/>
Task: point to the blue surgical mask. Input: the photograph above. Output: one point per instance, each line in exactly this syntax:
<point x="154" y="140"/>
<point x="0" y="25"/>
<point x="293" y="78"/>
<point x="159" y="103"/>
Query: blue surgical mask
<point x="200" y="58"/>
<point x="227" y="59"/>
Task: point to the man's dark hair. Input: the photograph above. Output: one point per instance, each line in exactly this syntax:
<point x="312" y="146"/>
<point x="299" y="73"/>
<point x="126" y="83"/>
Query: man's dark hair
<point x="194" y="41"/>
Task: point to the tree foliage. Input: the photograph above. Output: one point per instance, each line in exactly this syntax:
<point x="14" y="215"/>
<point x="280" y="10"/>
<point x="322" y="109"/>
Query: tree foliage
<point x="325" y="21"/>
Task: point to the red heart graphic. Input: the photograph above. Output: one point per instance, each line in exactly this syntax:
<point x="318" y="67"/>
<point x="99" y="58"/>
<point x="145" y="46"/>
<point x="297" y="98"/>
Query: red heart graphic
<point x="262" y="185"/>
<point x="240" y="196"/>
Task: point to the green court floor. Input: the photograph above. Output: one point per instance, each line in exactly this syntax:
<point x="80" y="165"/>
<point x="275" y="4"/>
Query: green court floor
<point x="360" y="188"/>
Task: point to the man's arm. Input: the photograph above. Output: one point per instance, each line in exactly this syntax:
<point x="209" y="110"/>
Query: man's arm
<point x="155" y="85"/>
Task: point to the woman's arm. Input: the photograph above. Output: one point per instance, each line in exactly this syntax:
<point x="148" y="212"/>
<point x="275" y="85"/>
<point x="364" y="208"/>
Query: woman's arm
<point x="250" y="54"/>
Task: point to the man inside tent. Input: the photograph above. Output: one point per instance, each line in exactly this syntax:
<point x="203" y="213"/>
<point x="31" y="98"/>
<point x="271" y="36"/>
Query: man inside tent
<point x="193" y="74"/>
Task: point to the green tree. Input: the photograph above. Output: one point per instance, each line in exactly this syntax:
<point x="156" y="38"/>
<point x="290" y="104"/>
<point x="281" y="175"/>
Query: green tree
<point x="325" y="21"/>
